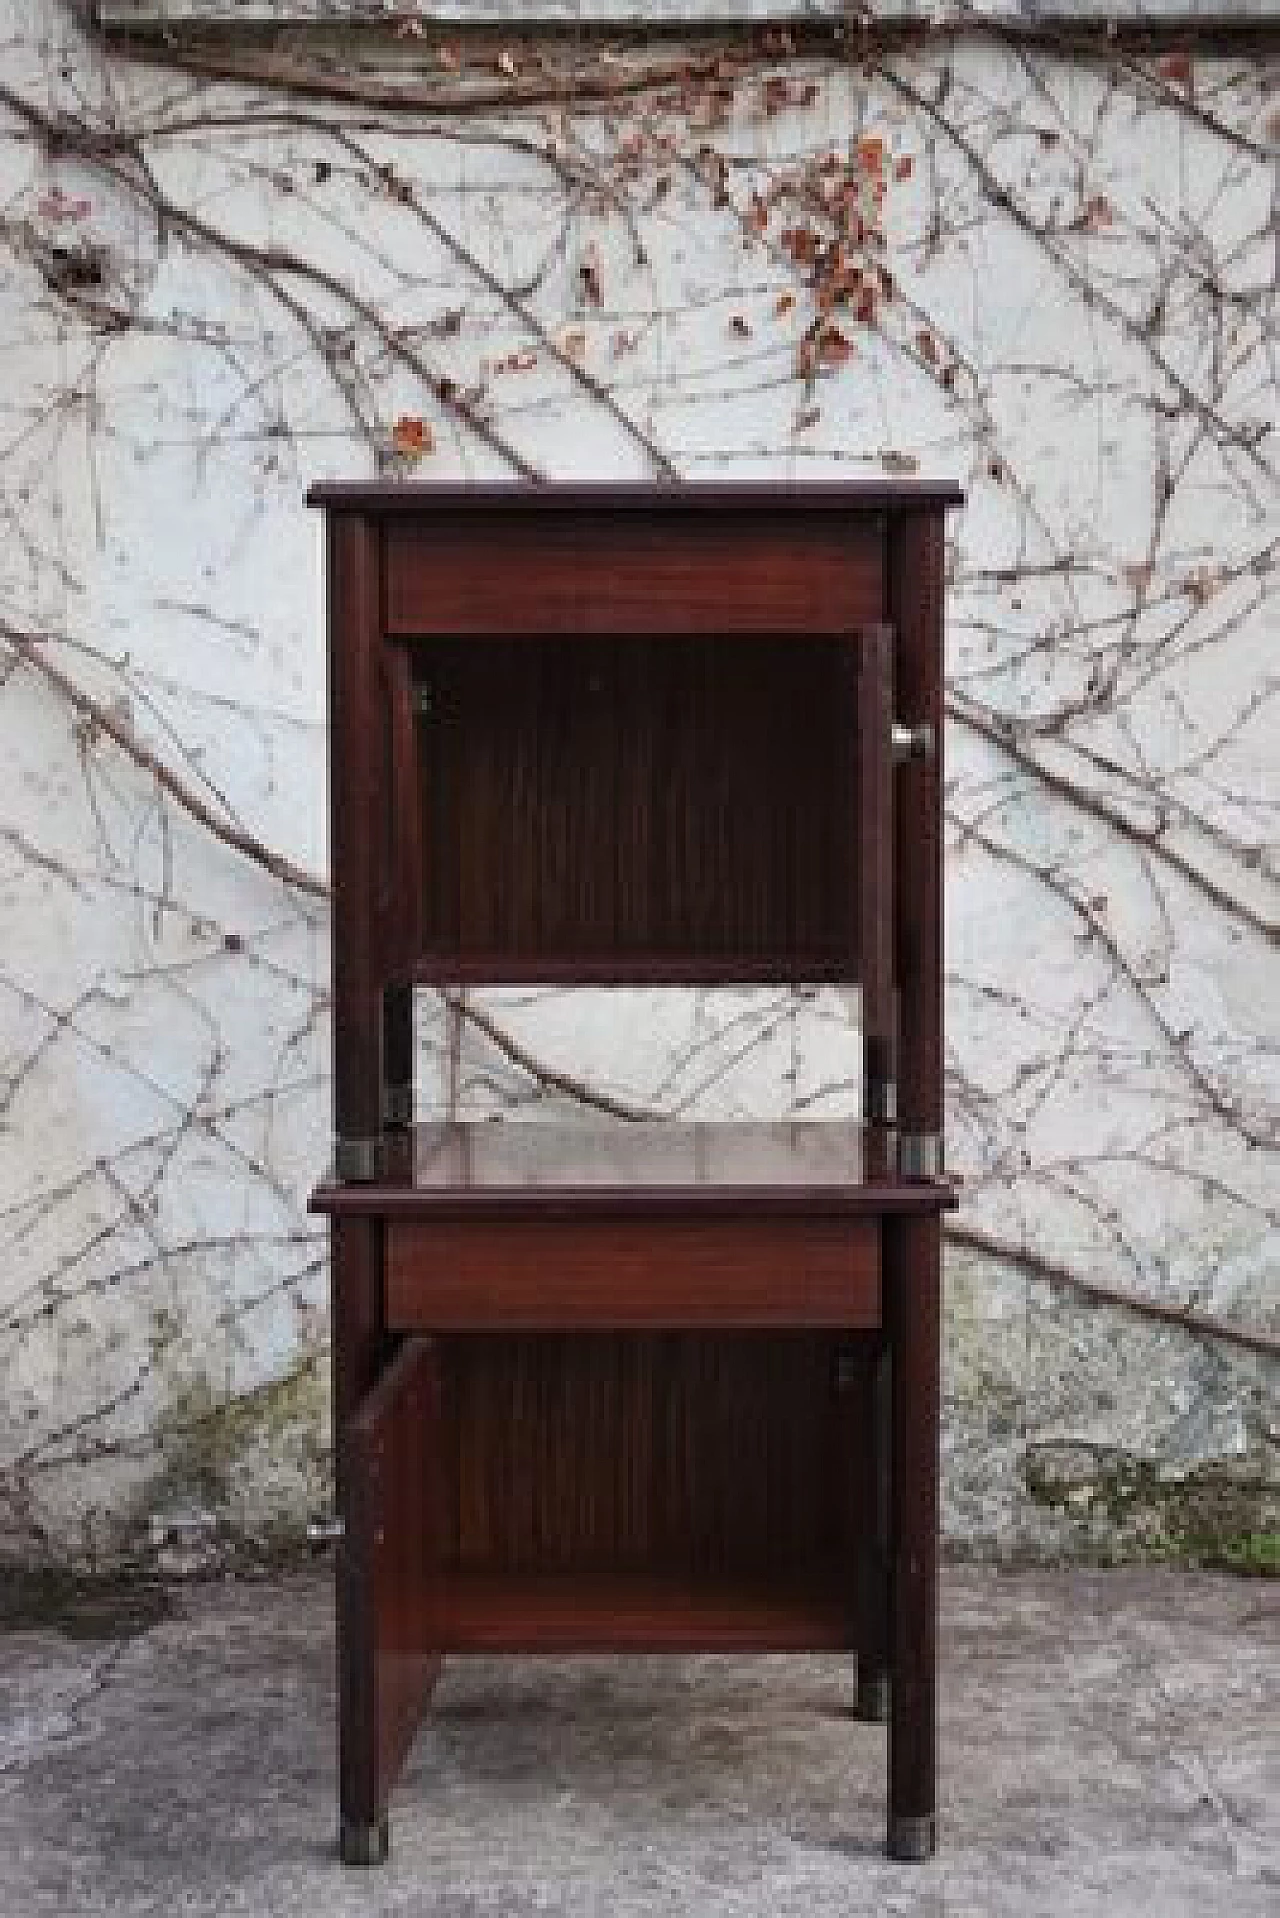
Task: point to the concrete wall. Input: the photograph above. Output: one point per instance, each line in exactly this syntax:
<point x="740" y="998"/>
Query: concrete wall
<point x="243" y="289"/>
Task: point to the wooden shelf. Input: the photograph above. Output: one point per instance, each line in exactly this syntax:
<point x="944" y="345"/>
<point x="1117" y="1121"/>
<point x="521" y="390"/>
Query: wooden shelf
<point x="510" y="1170"/>
<point x="593" y="1611"/>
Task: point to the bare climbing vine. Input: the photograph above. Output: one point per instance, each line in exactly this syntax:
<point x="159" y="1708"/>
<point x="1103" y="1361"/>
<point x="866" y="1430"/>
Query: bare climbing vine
<point x="783" y="253"/>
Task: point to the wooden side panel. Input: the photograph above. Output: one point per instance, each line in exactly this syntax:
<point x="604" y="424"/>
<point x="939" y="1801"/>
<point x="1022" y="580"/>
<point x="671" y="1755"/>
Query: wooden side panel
<point x="394" y="1503"/>
<point x="636" y="809"/>
<point x="916" y="560"/>
<point x="357" y="822"/>
<point x="679" y="1455"/>
<point x="875" y="879"/>
<point x="597" y="572"/>
<point x="632" y="1274"/>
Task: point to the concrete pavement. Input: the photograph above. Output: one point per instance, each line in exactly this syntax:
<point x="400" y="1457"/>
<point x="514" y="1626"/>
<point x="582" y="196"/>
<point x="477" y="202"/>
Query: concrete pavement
<point x="1110" y="1745"/>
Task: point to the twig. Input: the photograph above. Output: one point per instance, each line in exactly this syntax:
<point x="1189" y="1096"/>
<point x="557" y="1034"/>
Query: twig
<point x="551" y="1078"/>
<point x="30" y="650"/>
<point x="1188" y="1317"/>
<point x="980" y="720"/>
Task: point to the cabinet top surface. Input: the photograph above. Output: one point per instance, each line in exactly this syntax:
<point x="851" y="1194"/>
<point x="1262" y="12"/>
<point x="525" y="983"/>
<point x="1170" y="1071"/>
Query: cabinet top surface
<point x="518" y="1168"/>
<point x="381" y="497"/>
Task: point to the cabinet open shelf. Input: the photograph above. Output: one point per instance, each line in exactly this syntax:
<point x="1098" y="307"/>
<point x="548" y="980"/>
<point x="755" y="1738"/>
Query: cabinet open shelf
<point x="635" y="1611"/>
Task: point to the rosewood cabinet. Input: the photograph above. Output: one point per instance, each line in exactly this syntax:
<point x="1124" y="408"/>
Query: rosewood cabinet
<point x="657" y="1386"/>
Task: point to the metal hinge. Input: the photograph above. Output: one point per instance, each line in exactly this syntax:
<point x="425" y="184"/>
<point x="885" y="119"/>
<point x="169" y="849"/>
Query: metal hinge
<point x="920" y="1155"/>
<point x="356" y="1159"/>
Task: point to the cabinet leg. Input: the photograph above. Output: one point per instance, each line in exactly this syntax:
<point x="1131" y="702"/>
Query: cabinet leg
<point x="359" y="1348"/>
<point x="873" y="1692"/>
<point x="912" y="1316"/>
<point x="364" y="1844"/>
<point x="873" y="1537"/>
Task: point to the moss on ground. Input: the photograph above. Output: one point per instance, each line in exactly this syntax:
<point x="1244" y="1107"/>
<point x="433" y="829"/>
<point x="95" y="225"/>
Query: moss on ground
<point x="1208" y="1516"/>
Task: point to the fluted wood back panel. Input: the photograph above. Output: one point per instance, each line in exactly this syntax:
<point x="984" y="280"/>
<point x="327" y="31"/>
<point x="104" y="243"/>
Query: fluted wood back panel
<point x="648" y="806"/>
<point x="673" y="1452"/>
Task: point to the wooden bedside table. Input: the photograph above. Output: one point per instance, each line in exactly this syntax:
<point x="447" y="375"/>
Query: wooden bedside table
<point x="659" y="1386"/>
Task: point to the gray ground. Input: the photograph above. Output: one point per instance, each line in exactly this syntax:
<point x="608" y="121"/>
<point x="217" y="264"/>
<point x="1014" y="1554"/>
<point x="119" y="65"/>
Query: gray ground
<point x="1110" y="1744"/>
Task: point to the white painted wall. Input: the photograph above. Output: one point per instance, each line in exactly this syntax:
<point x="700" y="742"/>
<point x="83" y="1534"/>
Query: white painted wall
<point x="1083" y="333"/>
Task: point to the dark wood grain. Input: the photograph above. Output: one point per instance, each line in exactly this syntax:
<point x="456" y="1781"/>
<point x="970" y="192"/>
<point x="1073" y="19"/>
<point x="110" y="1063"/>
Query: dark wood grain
<point x="357" y="837"/>
<point x="387" y="1565"/>
<point x="401" y="896"/>
<point x="458" y="1276"/>
<point x="682" y="1385"/>
<point x="654" y="1170"/>
<point x="603" y="573"/>
<point x="873" y="881"/>
<point x="684" y="1454"/>
<point x="359" y="1345"/>
<point x="751" y="499"/>
<point x="916" y="556"/>
<point x="640" y="805"/>
<point x="635" y="1612"/>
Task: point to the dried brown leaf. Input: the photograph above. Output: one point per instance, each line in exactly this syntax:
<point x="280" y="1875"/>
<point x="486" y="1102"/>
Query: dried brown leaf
<point x="590" y="284"/>
<point x="412" y="437"/>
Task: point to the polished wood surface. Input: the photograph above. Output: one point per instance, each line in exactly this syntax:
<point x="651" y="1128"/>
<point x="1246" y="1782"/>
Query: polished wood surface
<point x="637" y="804"/>
<point x="631" y="1274"/>
<point x="634" y="1612"/>
<point x="840" y="501"/>
<point x="634" y="1387"/>
<point x="390" y="1546"/>
<point x="685" y="1454"/>
<point x="600" y="573"/>
<point x="655" y="1169"/>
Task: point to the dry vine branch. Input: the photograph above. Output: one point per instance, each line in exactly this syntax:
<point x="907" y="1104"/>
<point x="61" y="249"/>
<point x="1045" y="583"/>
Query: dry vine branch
<point x="267" y="264"/>
<point x="979" y="719"/>
<point x="31" y="650"/>
<point x="1188" y="1317"/>
<point x="122" y="156"/>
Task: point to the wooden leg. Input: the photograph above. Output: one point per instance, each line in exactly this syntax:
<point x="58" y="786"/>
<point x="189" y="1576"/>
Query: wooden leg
<point x="397" y="1057"/>
<point x="872" y="1541"/>
<point x="912" y="1289"/>
<point x="386" y="1420"/>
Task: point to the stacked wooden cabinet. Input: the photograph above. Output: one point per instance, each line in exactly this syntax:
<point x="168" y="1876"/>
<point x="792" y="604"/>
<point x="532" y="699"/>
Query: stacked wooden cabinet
<point x="668" y="1385"/>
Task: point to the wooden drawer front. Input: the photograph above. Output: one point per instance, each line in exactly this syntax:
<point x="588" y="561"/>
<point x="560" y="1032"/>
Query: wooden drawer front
<point x="508" y="1275"/>
<point x="473" y="573"/>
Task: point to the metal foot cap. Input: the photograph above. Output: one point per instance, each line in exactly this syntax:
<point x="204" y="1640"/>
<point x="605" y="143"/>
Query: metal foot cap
<point x="364" y="1844"/>
<point x="913" y="1839"/>
<point x="873" y="1696"/>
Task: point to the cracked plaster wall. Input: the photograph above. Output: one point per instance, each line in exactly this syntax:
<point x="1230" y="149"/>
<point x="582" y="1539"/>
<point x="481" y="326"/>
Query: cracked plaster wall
<point x="1064" y="296"/>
